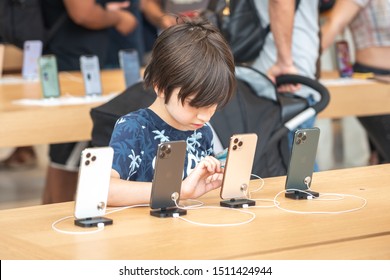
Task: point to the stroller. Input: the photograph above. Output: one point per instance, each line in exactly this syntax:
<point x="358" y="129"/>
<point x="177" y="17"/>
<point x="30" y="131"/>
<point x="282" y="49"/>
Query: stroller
<point x="256" y="107"/>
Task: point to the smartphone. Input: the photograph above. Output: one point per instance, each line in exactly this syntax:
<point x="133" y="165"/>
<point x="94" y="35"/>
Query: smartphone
<point x="238" y="166"/>
<point x="303" y="155"/>
<point x="344" y="64"/>
<point x="129" y="62"/>
<point x="93" y="182"/>
<point x="32" y="50"/>
<point x="48" y="72"/>
<point x="90" y="69"/>
<point x="168" y="174"/>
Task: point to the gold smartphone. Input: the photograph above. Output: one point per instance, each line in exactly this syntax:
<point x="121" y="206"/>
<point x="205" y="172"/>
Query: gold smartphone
<point x="238" y="167"/>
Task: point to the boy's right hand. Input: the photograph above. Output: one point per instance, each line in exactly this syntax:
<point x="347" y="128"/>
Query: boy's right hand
<point x="206" y="176"/>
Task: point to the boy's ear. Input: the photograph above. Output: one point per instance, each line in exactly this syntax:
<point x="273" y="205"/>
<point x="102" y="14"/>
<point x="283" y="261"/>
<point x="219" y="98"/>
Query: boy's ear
<point x="158" y="92"/>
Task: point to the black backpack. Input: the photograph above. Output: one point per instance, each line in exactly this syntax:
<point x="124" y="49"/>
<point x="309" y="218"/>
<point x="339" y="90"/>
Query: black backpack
<point x="22" y="20"/>
<point x="240" y="24"/>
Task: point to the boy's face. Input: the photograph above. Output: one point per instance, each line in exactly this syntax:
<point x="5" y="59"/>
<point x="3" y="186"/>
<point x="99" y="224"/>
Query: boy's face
<point x="185" y="117"/>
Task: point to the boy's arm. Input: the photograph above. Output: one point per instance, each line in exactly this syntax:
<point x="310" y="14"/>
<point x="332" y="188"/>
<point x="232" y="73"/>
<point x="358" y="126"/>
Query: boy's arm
<point x="124" y="193"/>
<point x="206" y="176"/>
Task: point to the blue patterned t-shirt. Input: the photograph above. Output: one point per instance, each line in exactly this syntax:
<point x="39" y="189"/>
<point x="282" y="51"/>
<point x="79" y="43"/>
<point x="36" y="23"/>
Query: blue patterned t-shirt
<point x="136" y="137"/>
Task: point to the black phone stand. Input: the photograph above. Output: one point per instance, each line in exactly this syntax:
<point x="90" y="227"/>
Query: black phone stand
<point x="92" y="222"/>
<point x="167" y="212"/>
<point x="237" y="203"/>
<point x="304" y="194"/>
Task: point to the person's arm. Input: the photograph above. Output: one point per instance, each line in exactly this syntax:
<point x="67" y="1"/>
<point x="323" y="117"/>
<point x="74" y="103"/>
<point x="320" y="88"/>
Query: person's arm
<point x="340" y="16"/>
<point x="206" y="176"/>
<point x="281" y="14"/>
<point x="153" y="12"/>
<point x="91" y="15"/>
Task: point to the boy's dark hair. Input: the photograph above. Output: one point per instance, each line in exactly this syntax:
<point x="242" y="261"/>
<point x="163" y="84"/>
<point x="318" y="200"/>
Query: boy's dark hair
<point x="194" y="57"/>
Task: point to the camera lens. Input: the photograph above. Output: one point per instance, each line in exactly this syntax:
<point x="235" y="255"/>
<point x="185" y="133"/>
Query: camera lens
<point x="163" y="147"/>
<point x="93" y="158"/>
<point x="298" y="141"/>
<point x="168" y="151"/>
<point x="234" y="147"/>
<point x="303" y="137"/>
<point x="235" y="141"/>
<point x="240" y="144"/>
<point x="87" y="162"/>
<point x="162" y="155"/>
<point x="300" y="134"/>
<point x="88" y="155"/>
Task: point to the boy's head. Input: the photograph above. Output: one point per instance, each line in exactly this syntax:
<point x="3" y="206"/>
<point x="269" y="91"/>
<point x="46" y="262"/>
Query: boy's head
<point x="194" y="57"/>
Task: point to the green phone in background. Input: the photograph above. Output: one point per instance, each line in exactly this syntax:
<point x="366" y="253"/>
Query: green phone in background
<point x="48" y="72"/>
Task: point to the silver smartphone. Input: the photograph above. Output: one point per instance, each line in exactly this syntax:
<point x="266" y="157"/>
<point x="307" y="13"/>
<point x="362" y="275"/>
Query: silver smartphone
<point x="93" y="182"/>
<point x="168" y="174"/>
<point x="90" y="69"/>
<point x="32" y="50"/>
<point x="49" y="76"/>
<point x="238" y="166"/>
<point x="129" y="62"/>
<point x="303" y="155"/>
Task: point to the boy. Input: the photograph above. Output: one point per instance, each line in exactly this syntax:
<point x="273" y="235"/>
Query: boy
<point x="192" y="73"/>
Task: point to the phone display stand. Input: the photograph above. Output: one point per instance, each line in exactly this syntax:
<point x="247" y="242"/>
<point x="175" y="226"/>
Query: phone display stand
<point x="301" y="195"/>
<point x="167" y="212"/>
<point x="237" y="203"/>
<point x="92" y="221"/>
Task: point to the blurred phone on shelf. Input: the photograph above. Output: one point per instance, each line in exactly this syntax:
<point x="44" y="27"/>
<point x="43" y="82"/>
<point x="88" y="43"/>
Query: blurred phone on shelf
<point x="32" y="50"/>
<point x="344" y="63"/>
<point x="49" y="76"/>
<point x="90" y="69"/>
<point x="129" y="62"/>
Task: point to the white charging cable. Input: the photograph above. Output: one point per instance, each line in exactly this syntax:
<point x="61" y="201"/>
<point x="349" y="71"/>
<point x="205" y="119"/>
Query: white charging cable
<point x="313" y="198"/>
<point x="176" y="215"/>
<point x="100" y="226"/>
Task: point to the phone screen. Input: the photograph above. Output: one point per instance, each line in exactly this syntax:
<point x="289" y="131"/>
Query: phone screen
<point x="343" y="59"/>
<point x="130" y="65"/>
<point x="49" y="76"/>
<point x="90" y="69"/>
<point x="32" y="50"/>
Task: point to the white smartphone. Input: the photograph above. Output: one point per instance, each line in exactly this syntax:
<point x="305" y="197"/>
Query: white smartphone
<point x="90" y="69"/>
<point x="238" y="166"/>
<point x="49" y="76"/>
<point x="168" y="174"/>
<point x="32" y="50"/>
<point x="129" y="62"/>
<point x="303" y="155"/>
<point x="93" y="182"/>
